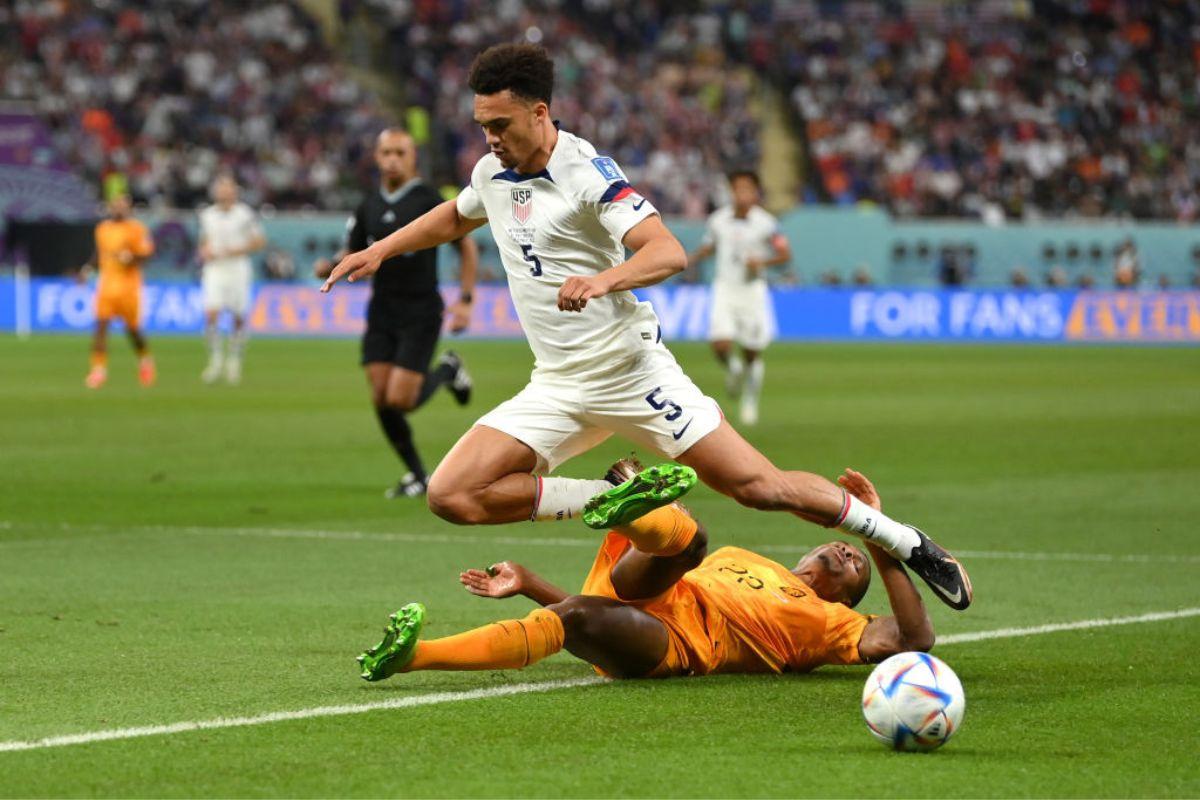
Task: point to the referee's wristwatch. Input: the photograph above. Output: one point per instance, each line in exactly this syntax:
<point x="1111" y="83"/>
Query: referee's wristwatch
<point x="465" y="298"/>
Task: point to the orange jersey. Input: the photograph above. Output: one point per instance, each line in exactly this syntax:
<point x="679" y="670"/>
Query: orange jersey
<point x="114" y="237"/>
<point x="740" y="612"/>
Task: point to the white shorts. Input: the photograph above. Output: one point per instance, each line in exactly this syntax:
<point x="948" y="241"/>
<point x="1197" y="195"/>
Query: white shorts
<point x="649" y="401"/>
<point x="226" y="287"/>
<point x="742" y="315"/>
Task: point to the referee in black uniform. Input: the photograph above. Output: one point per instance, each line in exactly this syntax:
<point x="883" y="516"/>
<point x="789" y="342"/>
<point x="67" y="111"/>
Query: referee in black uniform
<point x="404" y="317"/>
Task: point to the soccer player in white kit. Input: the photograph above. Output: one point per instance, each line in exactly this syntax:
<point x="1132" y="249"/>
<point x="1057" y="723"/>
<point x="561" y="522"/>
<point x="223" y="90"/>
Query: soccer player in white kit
<point x="746" y="240"/>
<point x="562" y="217"/>
<point x="229" y="233"/>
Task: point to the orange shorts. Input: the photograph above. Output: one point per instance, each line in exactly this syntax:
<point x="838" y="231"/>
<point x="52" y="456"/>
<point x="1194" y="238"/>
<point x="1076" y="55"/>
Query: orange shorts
<point x="694" y="634"/>
<point x="124" y="305"/>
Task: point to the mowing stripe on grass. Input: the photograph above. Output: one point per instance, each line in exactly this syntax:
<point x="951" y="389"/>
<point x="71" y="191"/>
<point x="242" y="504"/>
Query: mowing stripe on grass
<point x="512" y="689"/>
<point x="584" y="540"/>
<point x="304" y="713"/>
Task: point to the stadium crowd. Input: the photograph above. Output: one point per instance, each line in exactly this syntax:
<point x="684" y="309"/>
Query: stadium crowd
<point x="661" y="91"/>
<point x="994" y="110"/>
<point x="169" y="92"/>
<point x="990" y="110"/>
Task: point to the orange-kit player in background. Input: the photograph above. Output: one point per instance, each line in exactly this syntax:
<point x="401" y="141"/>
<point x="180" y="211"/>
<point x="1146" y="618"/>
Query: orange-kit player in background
<point x="122" y="244"/>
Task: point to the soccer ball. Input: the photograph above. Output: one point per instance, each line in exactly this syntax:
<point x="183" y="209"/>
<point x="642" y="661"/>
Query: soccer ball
<point x="913" y="701"/>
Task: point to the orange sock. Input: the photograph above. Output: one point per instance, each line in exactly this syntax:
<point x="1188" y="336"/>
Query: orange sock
<point x="665" y="531"/>
<point x="510" y="644"/>
<point x="99" y="359"/>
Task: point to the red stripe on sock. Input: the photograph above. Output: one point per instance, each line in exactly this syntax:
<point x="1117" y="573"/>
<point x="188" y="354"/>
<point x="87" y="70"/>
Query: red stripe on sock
<point x="845" y="509"/>
<point x="537" y="498"/>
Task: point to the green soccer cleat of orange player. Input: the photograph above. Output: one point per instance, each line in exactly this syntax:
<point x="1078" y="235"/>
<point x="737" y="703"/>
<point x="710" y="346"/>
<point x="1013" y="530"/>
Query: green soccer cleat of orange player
<point x="399" y="643"/>
<point x="650" y="489"/>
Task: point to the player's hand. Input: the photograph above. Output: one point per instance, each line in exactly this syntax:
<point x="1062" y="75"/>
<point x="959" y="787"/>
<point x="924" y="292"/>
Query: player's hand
<point x="858" y="485"/>
<point x="754" y="268"/>
<point x="125" y="257"/>
<point x="354" y="267"/>
<point x="206" y="252"/>
<point x="574" y="294"/>
<point x="499" y="580"/>
<point x="460" y="316"/>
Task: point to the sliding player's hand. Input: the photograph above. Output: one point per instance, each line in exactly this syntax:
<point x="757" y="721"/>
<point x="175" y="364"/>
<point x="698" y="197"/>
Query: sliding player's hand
<point x="858" y="485"/>
<point x="576" y="291"/>
<point x="499" y="580"/>
<point x="354" y="267"/>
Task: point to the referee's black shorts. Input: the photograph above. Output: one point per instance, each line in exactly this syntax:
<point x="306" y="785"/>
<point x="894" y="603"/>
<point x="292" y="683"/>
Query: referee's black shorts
<point x="404" y="335"/>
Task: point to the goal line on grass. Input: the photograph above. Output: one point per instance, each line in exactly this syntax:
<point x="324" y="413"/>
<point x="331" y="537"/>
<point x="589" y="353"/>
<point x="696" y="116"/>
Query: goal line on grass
<point x="437" y="698"/>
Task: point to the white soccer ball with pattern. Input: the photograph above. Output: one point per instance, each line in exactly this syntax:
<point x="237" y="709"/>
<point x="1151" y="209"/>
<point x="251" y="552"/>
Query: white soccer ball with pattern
<point x="913" y="701"/>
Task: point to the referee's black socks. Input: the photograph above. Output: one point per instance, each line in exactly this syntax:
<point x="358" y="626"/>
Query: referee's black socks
<point x="398" y="432"/>
<point x="440" y="375"/>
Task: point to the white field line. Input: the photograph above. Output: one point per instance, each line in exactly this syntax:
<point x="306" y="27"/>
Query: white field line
<point x="411" y="701"/>
<point x="1055" y="627"/>
<point x="438" y="698"/>
<point x="586" y="541"/>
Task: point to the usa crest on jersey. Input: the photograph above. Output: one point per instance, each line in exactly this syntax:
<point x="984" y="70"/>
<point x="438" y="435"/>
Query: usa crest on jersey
<point x="522" y="204"/>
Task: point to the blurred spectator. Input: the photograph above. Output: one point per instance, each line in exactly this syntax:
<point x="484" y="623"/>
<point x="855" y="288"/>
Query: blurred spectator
<point x="1019" y="278"/>
<point x="862" y="276"/>
<point x="997" y="110"/>
<point x="1127" y="268"/>
<point x="167" y="93"/>
<point x="1056" y="278"/>
<point x="661" y="87"/>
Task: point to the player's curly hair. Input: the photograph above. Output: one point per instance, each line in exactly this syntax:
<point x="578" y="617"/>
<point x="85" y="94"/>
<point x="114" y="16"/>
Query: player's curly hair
<point x="524" y="69"/>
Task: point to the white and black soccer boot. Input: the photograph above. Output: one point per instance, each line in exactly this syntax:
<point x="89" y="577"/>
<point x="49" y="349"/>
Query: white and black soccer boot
<point x="460" y="384"/>
<point x="941" y="571"/>
<point x="408" y="486"/>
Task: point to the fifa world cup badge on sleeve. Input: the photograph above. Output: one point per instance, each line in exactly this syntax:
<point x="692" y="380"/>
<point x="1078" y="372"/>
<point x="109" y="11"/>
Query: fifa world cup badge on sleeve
<point x="608" y="168"/>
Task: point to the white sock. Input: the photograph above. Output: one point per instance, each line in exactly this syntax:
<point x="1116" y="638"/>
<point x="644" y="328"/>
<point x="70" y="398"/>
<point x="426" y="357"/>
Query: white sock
<point x="735" y="365"/>
<point x="754" y="380"/>
<point x="237" y="343"/>
<point x="878" y="528"/>
<point x="564" y="498"/>
<point x="212" y="338"/>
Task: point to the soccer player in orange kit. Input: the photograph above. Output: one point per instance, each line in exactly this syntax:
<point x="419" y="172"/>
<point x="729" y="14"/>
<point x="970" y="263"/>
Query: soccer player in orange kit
<point x="122" y="244"/>
<point x="654" y="605"/>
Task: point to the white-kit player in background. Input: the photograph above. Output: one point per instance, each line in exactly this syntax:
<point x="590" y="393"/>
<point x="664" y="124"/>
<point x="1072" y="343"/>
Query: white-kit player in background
<point x="562" y="218"/>
<point x="746" y="241"/>
<point x="229" y="233"/>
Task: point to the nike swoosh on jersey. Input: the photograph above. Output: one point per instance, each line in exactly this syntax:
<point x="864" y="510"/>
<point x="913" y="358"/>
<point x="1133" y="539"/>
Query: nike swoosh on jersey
<point x="679" y="434"/>
<point x="638" y="206"/>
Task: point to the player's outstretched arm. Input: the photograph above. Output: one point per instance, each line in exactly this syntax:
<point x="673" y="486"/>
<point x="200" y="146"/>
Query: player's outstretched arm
<point x="910" y="627"/>
<point x="657" y="255"/>
<point x="509" y="578"/>
<point x="460" y="312"/>
<point x="437" y="226"/>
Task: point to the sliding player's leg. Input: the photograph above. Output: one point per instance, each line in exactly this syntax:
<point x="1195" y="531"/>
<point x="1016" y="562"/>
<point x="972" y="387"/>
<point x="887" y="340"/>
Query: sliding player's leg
<point x="728" y="463"/>
<point x="621" y="640"/>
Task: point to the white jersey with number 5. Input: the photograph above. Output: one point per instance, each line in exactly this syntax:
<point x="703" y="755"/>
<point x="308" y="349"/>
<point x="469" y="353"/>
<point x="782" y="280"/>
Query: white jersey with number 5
<point x="569" y="219"/>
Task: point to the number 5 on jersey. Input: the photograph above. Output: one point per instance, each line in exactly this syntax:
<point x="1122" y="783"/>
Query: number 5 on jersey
<point x="536" y="269"/>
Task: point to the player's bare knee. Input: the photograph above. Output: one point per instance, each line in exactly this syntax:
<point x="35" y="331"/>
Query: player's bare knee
<point x="578" y="615"/>
<point x="453" y="505"/>
<point x="697" y="548"/>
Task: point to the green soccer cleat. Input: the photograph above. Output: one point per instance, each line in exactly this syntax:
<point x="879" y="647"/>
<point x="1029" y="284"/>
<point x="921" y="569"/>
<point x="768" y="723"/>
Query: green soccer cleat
<point x="650" y="489"/>
<point x="399" y="643"/>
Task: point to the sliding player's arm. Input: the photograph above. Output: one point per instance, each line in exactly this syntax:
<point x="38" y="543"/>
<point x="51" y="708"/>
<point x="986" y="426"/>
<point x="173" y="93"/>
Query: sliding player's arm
<point x="509" y="578"/>
<point x="442" y="224"/>
<point x="468" y="259"/>
<point x="909" y="628"/>
<point x="657" y="255"/>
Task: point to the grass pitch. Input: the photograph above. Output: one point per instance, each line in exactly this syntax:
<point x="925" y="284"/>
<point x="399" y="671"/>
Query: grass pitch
<point x="188" y="553"/>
